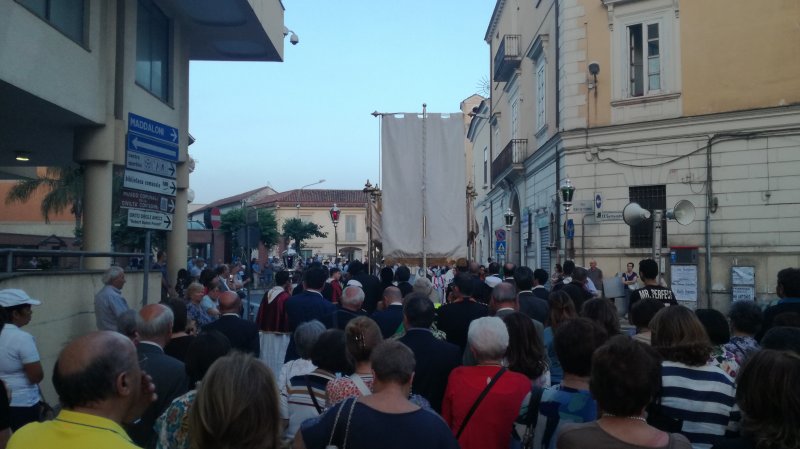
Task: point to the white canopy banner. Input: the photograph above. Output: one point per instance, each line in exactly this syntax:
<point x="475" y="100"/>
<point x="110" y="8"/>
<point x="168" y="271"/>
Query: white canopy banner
<point x="424" y="175"/>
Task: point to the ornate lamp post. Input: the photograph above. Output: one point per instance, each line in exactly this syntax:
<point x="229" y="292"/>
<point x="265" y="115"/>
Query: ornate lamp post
<point x="509" y="219"/>
<point x="335" y="219"/>
<point x="567" y="192"/>
<point x="373" y="192"/>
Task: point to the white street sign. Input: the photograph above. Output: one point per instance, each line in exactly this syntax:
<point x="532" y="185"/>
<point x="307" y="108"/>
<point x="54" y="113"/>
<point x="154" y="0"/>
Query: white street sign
<point x="149" y="183"/>
<point x="149" y="164"/>
<point x="611" y="215"/>
<point x="583" y="206"/>
<point x="148" y="219"/>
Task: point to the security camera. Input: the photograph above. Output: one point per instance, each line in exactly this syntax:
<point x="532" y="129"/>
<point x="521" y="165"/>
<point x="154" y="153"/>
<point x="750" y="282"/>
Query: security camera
<point x="594" y="68"/>
<point x="294" y="39"/>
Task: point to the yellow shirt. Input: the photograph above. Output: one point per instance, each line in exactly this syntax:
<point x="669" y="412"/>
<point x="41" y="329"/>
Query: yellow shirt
<point x="72" y="430"/>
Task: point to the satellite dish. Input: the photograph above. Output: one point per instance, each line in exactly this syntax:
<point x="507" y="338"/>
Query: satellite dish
<point x="683" y="212"/>
<point x="634" y="214"/>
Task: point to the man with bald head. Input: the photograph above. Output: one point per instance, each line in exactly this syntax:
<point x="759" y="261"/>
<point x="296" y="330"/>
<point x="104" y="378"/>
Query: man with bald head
<point x="100" y="386"/>
<point x="243" y="334"/>
<point x="390" y="318"/>
<point x="154" y="324"/>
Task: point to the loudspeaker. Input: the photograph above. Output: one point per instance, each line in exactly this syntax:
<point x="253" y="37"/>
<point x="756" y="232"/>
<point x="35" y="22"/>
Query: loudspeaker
<point x="633" y="214"/>
<point x="683" y="212"/>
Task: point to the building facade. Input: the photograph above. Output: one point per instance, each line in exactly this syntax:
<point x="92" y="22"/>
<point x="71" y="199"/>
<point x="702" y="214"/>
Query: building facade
<point x="72" y="71"/>
<point x="653" y="102"/>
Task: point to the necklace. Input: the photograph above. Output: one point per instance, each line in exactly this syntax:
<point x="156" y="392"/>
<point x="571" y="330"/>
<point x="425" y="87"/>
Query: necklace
<point x="637" y="418"/>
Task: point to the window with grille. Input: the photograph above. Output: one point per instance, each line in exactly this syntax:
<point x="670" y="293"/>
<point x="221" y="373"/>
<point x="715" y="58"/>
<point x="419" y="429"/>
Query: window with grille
<point x="650" y="198"/>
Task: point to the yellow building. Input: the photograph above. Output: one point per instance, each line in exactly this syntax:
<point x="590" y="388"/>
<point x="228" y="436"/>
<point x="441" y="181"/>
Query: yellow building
<point x="651" y="101"/>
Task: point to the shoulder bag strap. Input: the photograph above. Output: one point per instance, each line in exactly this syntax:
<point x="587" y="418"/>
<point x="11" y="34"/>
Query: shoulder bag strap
<point x="312" y="395"/>
<point x="360" y="384"/>
<point x="478" y="401"/>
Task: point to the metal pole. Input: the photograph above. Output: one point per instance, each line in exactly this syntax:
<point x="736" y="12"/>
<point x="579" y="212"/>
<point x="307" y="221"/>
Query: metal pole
<point x="424" y="187"/>
<point x="657" y="216"/>
<point x="335" y="242"/>
<point x="147" y="251"/>
<point x="566" y="237"/>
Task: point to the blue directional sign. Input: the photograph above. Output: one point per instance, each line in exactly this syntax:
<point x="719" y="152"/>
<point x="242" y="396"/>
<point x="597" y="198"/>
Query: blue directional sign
<point x="500" y="247"/>
<point x="152" y="129"/>
<point x="570" y="229"/>
<point x="152" y="147"/>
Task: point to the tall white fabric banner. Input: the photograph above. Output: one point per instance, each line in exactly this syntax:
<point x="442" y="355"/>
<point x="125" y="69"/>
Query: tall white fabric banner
<point x="424" y="174"/>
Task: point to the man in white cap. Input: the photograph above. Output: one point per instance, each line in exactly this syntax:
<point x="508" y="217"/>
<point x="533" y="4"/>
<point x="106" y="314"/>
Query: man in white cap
<point x="20" y="364"/>
<point x="109" y="302"/>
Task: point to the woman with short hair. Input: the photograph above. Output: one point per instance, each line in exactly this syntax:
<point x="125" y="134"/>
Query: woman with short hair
<point x="195" y="293"/>
<point x="307" y="398"/>
<point x="625" y="377"/>
<point x="746" y="318"/>
<point x="697" y="397"/>
<point x="719" y="333"/>
<point x="386" y="418"/>
<point x="236" y="406"/>
<point x="768" y="394"/>
<point x="603" y="312"/>
<point x="490" y="424"/>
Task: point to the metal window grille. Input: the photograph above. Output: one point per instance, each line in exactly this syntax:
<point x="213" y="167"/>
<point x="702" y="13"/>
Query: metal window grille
<point x="649" y="197"/>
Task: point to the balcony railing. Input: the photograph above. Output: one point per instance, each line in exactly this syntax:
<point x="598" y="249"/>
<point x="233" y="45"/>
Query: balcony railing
<point x="510" y="160"/>
<point x="507" y="58"/>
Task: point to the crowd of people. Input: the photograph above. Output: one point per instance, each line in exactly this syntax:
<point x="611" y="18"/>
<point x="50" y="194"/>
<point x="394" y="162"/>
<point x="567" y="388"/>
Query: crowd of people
<point x="504" y="357"/>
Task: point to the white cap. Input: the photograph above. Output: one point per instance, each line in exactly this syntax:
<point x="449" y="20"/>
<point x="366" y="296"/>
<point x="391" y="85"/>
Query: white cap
<point x="353" y="282"/>
<point x="11" y="297"/>
<point x="492" y="281"/>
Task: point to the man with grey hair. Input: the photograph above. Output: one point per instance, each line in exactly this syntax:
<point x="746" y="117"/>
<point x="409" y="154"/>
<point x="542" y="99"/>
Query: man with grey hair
<point x="349" y="308"/>
<point x="504" y="302"/>
<point x="154" y="324"/>
<point x="108" y="302"/>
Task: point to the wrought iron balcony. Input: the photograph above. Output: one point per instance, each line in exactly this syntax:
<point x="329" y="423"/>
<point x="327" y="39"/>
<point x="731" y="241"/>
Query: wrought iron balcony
<point x="507" y="58"/>
<point x="509" y="162"/>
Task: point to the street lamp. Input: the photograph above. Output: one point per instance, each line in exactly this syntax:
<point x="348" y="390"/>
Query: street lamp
<point x="374" y="193"/>
<point x="300" y="195"/>
<point x="567" y="191"/>
<point x="335" y="219"/>
<point x="509" y="218"/>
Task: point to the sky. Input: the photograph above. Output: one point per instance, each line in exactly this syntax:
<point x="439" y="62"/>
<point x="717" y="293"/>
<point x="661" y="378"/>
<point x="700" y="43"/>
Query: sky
<point x="289" y="124"/>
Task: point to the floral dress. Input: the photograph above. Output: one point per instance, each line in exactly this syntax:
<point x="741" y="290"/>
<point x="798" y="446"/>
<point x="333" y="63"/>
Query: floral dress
<point x="742" y="347"/>
<point x="724" y="359"/>
<point x="344" y="387"/>
<point x="172" y="427"/>
<point x="198" y="315"/>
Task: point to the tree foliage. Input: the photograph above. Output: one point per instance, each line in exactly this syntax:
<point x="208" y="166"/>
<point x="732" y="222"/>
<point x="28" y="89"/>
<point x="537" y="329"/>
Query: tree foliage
<point x="64" y="189"/>
<point x="299" y="230"/>
<point x="233" y="220"/>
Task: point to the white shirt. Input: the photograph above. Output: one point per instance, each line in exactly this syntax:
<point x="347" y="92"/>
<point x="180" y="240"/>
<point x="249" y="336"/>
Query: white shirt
<point x="18" y="348"/>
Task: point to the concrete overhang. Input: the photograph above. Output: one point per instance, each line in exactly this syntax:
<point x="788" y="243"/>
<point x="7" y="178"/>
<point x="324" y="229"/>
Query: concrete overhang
<point x="230" y="30"/>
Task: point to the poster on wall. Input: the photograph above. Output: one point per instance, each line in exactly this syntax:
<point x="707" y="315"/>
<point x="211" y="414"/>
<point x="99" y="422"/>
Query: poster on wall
<point x="684" y="282"/>
<point x="743" y="283"/>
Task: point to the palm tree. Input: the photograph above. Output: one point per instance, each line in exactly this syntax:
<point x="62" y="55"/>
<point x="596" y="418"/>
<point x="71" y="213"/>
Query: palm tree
<point x="64" y="186"/>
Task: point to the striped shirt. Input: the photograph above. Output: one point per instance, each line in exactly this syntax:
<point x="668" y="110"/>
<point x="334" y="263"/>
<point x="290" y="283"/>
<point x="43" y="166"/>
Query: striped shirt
<point x="704" y="397"/>
<point x="301" y="405"/>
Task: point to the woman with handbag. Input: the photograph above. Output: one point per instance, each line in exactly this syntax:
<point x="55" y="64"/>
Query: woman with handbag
<point x="626" y="376"/>
<point x="385" y="418"/>
<point x="20" y="366"/>
<point x="481" y="402"/>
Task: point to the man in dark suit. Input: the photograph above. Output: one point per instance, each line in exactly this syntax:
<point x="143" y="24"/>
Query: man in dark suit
<point x="529" y="304"/>
<point x="242" y="334"/>
<point x="539" y="280"/>
<point x="154" y="324"/>
<point x="402" y="275"/>
<point x="504" y="302"/>
<point x="369" y="283"/>
<point x="308" y="305"/>
<point x="576" y="288"/>
<point x="454" y="318"/>
<point x="390" y="318"/>
<point x="349" y="308"/>
<point x="435" y="358"/>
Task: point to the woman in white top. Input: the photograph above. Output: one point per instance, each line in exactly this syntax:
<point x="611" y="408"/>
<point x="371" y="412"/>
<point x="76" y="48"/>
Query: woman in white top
<point x="20" y="367"/>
